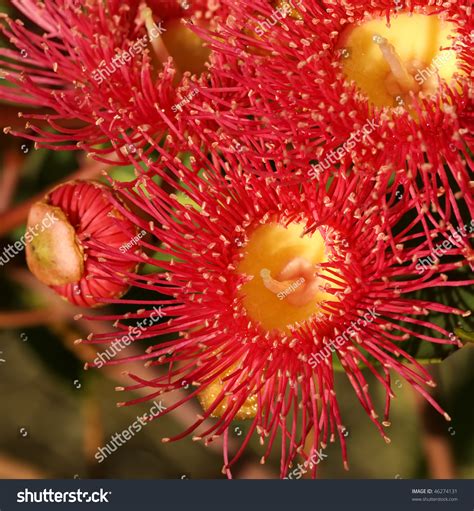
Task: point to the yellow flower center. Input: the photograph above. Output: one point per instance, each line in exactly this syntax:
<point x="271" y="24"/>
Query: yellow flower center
<point x="389" y="62"/>
<point x="186" y="48"/>
<point x="207" y="397"/>
<point x="286" y="286"/>
<point x="178" y="41"/>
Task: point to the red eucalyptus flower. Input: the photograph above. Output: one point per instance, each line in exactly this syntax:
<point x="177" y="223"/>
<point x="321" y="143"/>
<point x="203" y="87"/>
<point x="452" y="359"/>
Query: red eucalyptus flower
<point x="68" y="254"/>
<point x="296" y="94"/>
<point x="94" y="67"/>
<point x="259" y="279"/>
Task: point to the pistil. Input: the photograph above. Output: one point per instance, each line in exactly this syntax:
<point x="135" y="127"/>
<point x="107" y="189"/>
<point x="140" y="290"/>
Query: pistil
<point x="399" y="71"/>
<point x="296" y="283"/>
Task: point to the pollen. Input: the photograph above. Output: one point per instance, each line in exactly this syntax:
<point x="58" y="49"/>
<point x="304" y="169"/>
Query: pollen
<point x="211" y="393"/>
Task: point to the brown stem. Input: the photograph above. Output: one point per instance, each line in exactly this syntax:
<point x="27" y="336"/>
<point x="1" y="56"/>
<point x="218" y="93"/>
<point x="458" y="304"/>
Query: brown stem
<point x="18" y="215"/>
<point x="10" y="177"/>
<point x="93" y="433"/>
<point x="19" y="319"/>
<point x="436" y="445"/>
<point x="11" y="468"/>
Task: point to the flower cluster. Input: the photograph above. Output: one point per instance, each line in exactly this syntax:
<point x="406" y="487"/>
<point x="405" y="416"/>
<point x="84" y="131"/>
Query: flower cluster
<point x="241" y="364"/>
<point x="95" y="68"/>
<point x="305" y="195"/>
<point x="298" y="97"/>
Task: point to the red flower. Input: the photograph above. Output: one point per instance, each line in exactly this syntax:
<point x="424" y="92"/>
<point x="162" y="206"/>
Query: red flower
<point x="295" y="94"/>
<point x="67" y="255"/>
<point x="95" y="68"/>
<point x="259" y="280"/>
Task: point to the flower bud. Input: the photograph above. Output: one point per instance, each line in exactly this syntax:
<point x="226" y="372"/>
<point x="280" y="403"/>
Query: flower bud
<point x="80" y="245"/>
